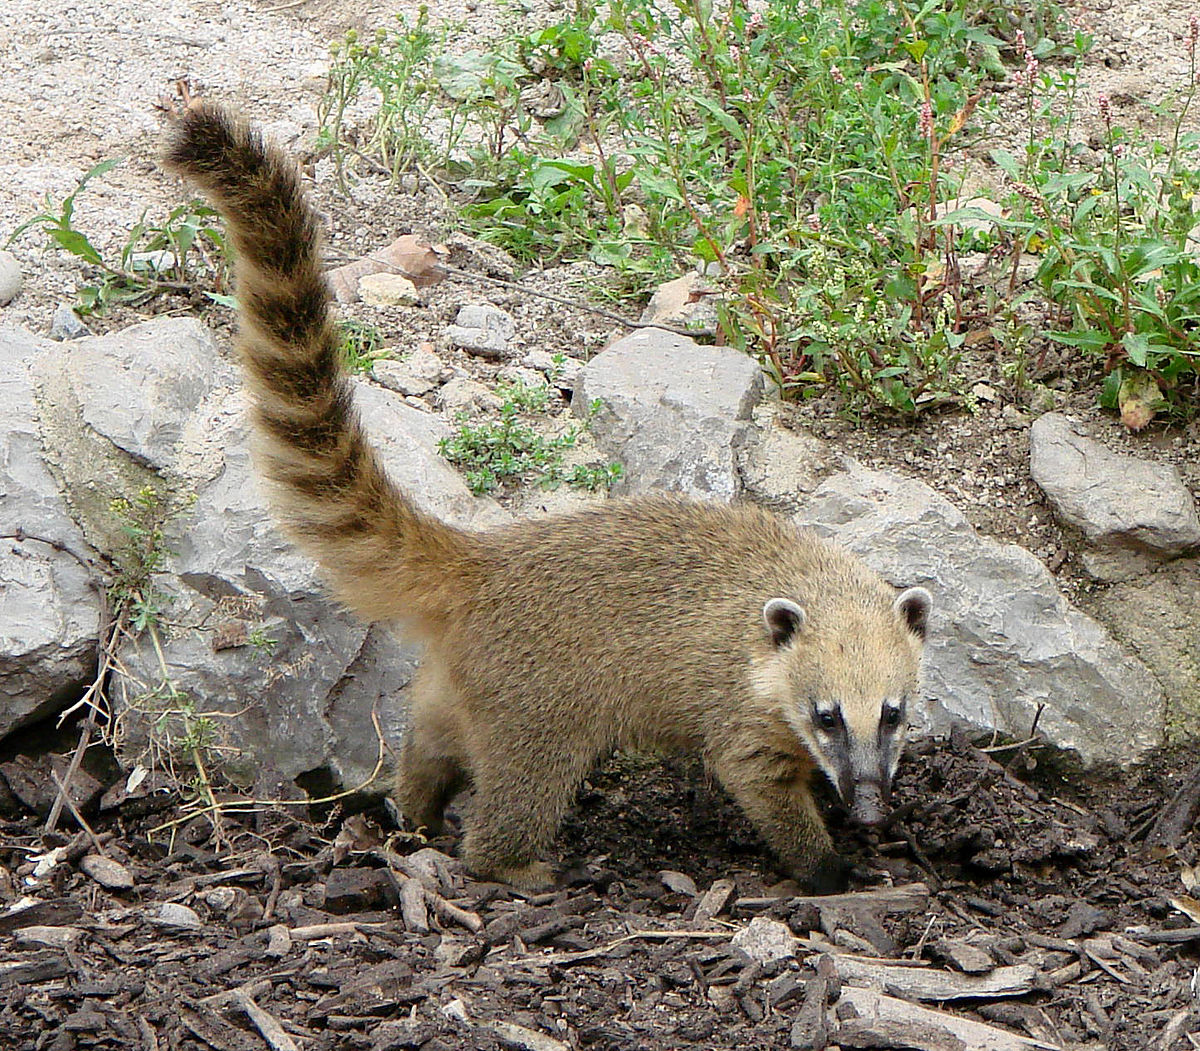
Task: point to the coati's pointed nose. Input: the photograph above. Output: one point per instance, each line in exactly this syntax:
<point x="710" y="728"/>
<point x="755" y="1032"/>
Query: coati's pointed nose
<point x="868" y="805"/>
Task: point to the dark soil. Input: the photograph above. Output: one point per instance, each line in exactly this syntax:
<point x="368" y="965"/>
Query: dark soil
<point x="1054" y="875"/>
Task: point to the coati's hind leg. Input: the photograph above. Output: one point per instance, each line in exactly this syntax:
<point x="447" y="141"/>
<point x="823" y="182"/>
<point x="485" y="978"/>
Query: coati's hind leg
<point x="432" y="758"/>
<point x="523" y="784"/>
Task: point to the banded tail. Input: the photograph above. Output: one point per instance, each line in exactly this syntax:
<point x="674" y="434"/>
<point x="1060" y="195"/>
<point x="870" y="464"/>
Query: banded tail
<point x="384" y="557"/>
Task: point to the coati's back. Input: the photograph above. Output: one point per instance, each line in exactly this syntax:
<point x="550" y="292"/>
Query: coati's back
<point x="649" y="611"/>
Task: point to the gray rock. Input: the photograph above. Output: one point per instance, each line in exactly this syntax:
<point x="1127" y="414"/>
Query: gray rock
<point x="1158" y="617"/>
<point x="765" y="940"/>
<point x="482" y="329"/>
<point x="247" y="635"/>
<point x="1132" y="512"/>
<point x="66" y="324"/>
<point x="465" y="395"/>
<point x="1002" y="639"/>
<point x="11" y="278"/>
<point x="387" y="290"/>
<point x="418" y="372"/>
<point x="49" y="611"/>
<point x="672" y="412"/>
<point x="780" y="466"/>
<point x="688" y="302"/>
<point x="404" y="377"/>
<point x="235" y="578"/>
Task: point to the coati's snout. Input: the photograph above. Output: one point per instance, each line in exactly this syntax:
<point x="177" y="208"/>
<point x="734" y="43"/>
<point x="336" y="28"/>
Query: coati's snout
<point x="868" y="802"/>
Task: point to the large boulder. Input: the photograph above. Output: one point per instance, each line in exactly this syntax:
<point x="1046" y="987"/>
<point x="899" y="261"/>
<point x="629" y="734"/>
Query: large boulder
<point x="50" y="609"/>
<point x="244" y="653"/>
<point x="672" y="412"/>
<point x="1003" y="641"/>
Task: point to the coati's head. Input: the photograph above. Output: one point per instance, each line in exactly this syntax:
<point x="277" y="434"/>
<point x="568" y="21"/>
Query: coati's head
<point x="844" y="676"/>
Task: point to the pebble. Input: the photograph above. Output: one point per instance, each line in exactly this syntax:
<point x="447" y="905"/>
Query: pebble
<point x="110" y="874"/>
<point x="11" y="278"/>
<point x="172" y="914"/>
<point x="66" y="324"/>
<point x="387" y="290"/>
<point x="764" y="939"/>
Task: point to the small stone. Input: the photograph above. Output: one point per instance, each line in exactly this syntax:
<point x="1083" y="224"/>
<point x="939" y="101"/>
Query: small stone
<point x="764" y="939"/>
<point x="482" y="329"/>
<point x="525" y="377"/>
<point x="221" y="899"/>
<point x="11" y="278"/>
<point x="172" y="914"/>
<point x="279" y="941"/>
<point x="1133" y="512"/>
<point x="1013" y="418"/>
<point x="387" y="290"/>
<point x="108" y="873"/>
<point x="678" y="882"/>
<point x="456" y="1011"/>
<point x="152" y="262"/>
<point x="459" y="952"/>
<point x="66" y="325"/>
<point x="464" y="395"/>
<point x="397" y="376"/>
<point x="963" y="956"/>
<point x="687" y="302"/>
<point x="559" y="370"/>
<point x="1042" y="399"/>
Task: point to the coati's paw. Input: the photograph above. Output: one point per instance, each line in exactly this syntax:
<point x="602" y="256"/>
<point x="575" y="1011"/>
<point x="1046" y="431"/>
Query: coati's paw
<point x="537" y="875"/>
<point x="829" y="875"/>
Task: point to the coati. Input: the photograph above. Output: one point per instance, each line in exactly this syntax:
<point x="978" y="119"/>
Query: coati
<point x="650" y="623"/>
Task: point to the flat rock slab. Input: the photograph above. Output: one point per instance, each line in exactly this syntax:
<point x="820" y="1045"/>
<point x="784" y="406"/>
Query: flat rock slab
<point x="673" y="412"/>
<point x="1133" y="513"/>
<point x="1003" y="641"/>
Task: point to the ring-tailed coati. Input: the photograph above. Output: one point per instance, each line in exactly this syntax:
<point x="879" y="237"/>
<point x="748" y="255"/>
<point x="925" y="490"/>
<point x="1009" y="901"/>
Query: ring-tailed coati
<point x="649" y="623"/>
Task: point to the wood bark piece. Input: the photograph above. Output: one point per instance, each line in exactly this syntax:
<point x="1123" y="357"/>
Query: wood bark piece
<point x="963" y="956"/>
<point x="412" y="906"/>
<point x="909" y="897"/>
<point x="895" y="1034"/>
<point x="49" y="914"/>
<point x="267" y="1025"/>
<point x="1177" y="816"/>
<point x="975" y="1036"/>
<point x="712" y="901"/>
<point x="512" y="1035"/>
<point x="917" y="983"/>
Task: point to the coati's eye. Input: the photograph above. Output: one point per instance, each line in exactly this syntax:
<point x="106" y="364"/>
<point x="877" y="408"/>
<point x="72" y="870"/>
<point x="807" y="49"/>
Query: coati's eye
<point x="829" y="720"/>
<point x="891" y="717"/>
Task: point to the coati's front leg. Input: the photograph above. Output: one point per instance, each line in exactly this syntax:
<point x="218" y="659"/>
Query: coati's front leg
<point x="775" y="792"/>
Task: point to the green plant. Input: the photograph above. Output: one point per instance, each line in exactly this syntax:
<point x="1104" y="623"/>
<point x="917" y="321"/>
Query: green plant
<point x="511" y="449"/>
<point x="362" y="344"/>
<point x="172" y="255"/>
<point x="1116" y="252"/>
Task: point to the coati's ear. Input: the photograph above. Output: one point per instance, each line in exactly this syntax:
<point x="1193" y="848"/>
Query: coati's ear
<point x="913" y="605"/>
<point x="783" y="619"/>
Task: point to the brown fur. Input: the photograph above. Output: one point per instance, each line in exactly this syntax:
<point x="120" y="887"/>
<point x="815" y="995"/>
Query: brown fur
<point x="638" y="623"/>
